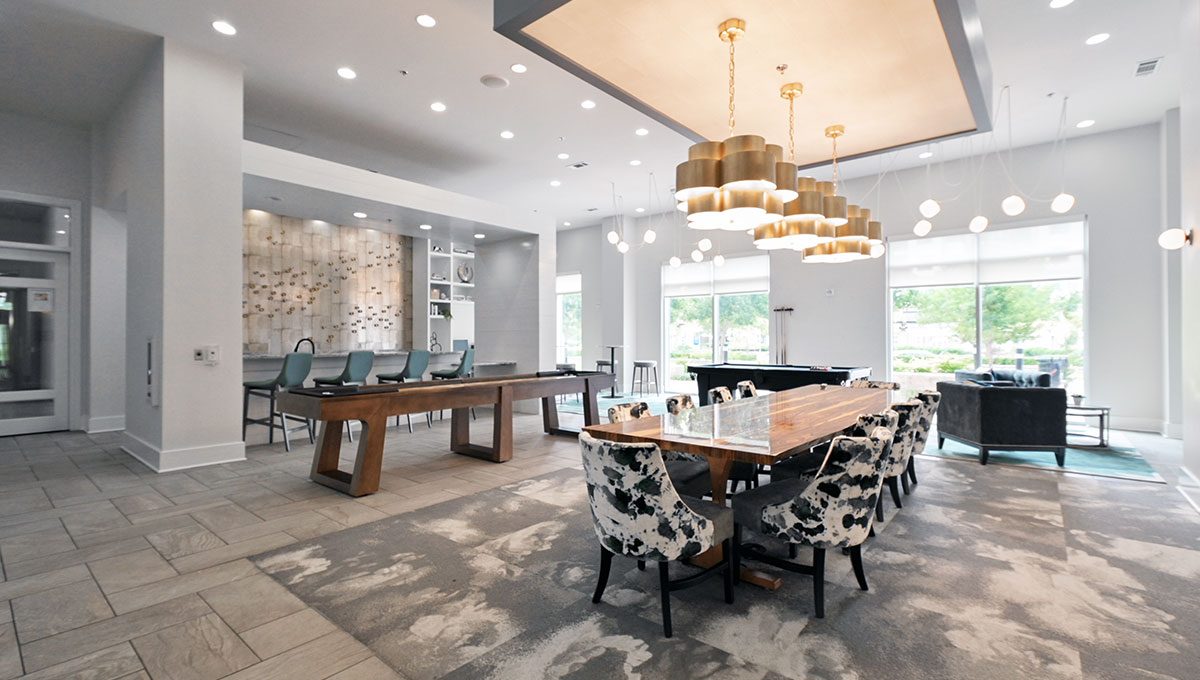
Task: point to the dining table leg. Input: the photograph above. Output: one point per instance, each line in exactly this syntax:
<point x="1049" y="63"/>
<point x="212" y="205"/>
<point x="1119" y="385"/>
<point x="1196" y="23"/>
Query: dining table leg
<point x="718" y="470"/>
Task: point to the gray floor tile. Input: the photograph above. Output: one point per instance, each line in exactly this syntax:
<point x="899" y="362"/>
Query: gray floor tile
<point x="123" y="572"/>
<point x="60" y="609"/>
<point x="200" y="649"/>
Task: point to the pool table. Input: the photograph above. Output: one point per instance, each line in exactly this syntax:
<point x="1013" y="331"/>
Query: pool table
<point x="772" y="377"/>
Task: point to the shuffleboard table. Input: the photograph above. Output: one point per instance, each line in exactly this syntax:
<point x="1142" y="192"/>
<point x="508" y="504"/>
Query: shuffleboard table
<point x="372" y="405"/>
<point x="773" y="377"/>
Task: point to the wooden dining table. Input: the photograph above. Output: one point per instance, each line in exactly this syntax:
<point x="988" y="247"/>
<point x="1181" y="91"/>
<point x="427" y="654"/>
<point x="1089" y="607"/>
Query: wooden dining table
<point x="762" y="430"/>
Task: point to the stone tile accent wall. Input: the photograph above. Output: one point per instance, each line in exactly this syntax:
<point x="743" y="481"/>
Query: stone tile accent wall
<point x="345" y="287"/>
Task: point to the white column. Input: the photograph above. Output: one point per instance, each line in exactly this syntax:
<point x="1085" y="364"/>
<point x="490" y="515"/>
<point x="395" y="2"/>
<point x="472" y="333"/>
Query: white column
<point x="1189" y="127"/>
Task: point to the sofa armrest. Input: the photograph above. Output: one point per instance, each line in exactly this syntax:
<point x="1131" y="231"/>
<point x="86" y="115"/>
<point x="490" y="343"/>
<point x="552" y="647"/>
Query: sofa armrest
<point x="959" y="410"/>
<point x="1031" y="416"/>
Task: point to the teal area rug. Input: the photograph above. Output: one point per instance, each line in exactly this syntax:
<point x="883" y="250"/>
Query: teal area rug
<point x="1120" y="462"/>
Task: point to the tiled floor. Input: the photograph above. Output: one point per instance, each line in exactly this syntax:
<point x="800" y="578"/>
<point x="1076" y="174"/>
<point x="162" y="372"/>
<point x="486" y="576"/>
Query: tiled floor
<point x="111" y="571"/>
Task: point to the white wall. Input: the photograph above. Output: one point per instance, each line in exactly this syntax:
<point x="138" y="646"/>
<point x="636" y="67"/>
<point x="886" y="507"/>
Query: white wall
<point x="1116" y="179"/>
<point x="104" y="377"/>
<point x="578" y="254"/>
<point x="44" y="158"/>
<point x="508" y="294"/>
<point x="1189" y="57"/>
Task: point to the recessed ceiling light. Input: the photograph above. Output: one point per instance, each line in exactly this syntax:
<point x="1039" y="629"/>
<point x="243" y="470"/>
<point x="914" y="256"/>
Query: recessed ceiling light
<point x="635" y="163"/>
<point x="480" y="235"/>
<point x="563" y="156"/>
<point x="566" y="224"/>
<point x="925" y="154"/>
<point x="360" y="215"/>
<point x="426" y="21"/>
<point x="1085" y="123"/>
<point x="224" y="27"/>
<point x="1058" y="4"/>
<point x="1097" y="39"/>
<point x="518" y="68"/>
<point x="507" y="134"/>
<point x="61" y="231"/>
<point x="641" y="210"/>
<point x="555" y="183"/>
<point x="438" y="106"/>
<point x="426" y="227"/>
<point x="641" y="132"/>
<point x="588" y="104"/>
<point x="347" y="73"/>
<point x="66" y="216"/>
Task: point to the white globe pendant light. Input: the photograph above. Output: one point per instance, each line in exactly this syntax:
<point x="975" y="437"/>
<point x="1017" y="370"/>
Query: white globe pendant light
<point x="614" y="237"/>
<point x="978" y="224"/>
<point x="719" y="260"/>
<point x="697" y="256"/>
<point x="650" y="236"/>
<point x="923" y="228"/>
<point x="623" y="247"/>
<point x="675" y="261"/>
<point x="1174" y="239"/>
<point x="1062" y="203"/>
<point x="929" y="208"/>
<point x="704" y="245"/>
<point x="1013" y="205"/>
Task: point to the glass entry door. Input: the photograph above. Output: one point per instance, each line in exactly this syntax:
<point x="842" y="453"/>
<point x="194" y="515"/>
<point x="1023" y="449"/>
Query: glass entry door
<point x="33" y="341"/>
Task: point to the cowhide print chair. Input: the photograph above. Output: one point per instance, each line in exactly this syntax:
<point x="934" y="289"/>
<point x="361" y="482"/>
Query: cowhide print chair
<point x="637" y="513"/>
<point x="873" y="384"/>
<point x="679" y="403"/>
<point x="740" y="472"/>
<point x="930" y="399"/>
<point x="746" y="389"/>
<point x="830" y="511"/>
<point x="895" y="469"/>
<point x="688" y="473"/>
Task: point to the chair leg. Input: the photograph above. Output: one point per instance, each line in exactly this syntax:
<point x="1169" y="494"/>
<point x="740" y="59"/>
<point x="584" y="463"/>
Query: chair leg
<point x="894" y="486"/>
<point x="287" y="441"/>
<point x="641" y="565"/>
<point x="983" y="455"/>
<point x="737" y="554"/>
<point x="350" y="430"/>
<point x="727" y="547"/>
<point x="819" y="581"/>
<point x="856" y="562"/>
<point x="904" y="482"/>
<point x="941" y="442"/>
<point x="912" y="470"/>
<point x="793" y="551"/>
<point x="657" y="384"/>
<point x="602" y="580"/>
<point x="664" y="584"/>
<point x="429" y="419"/>
<point x="1060" y="456"/>
<point x="312" y="437"/>
<point x="409" y="417"/>
<point x="271" y="419"/>
<point x="245" y="411"/>
<point x="879" y="508"/>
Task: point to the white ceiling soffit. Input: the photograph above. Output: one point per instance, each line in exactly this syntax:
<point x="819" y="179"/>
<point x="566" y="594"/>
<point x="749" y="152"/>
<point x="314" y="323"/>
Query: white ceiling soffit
<point x="894" y="72"/>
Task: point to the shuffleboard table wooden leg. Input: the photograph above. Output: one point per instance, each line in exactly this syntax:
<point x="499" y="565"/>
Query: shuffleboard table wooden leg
<point x="368" y="465"/>
<point x="549" y="415"/>
<point x="501" y="449"/>
<point x="591" y="415"/>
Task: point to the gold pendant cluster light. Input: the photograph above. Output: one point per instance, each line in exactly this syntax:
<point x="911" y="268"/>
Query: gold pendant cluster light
<point x="855" y="236"/>
<point x="740" y="183"/>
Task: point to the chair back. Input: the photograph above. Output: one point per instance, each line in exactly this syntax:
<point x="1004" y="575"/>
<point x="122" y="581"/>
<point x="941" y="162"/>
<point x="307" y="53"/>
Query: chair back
<point x="874" y="384"/>
<point x="621" y="413"/>
<point x="746" y="389"/>
<point x="294" y="372"/>
<point x="836" y="508"/>
<point x="719" y="395"/>
<point x="679" y="403"/>
<point x="904" y="435"/>
<point x="358" y="367"/>
<point x="930" y="400"/>
<point x="636" y="511"/>
<point x="466" y="364"/>
<point x="415" y="365"/>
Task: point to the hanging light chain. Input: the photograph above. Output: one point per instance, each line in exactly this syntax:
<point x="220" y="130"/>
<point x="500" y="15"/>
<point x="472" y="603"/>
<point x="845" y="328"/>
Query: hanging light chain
<point x="732" y="63"/>
<point x="792" y="129"/>
<point x="835" y="164"/>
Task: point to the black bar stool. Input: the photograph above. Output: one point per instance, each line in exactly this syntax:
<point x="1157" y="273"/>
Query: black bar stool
<point x="294" y="372"/>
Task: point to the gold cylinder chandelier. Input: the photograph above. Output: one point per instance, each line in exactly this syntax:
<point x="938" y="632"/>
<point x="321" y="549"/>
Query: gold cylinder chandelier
<point x="852" y="234"/>
<point x="740" y="183"/>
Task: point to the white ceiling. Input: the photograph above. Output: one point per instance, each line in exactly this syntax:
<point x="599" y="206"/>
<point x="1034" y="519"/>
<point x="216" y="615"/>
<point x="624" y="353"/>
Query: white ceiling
<point x="382" y="120"/>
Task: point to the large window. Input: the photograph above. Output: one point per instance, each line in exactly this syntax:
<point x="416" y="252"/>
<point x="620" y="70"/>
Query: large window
<point x="713" y="313"/>
<point x="1008" y="298"/>
<point x="569" y="307"/>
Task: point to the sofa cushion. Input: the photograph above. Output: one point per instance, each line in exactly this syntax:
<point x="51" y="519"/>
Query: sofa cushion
<point x="1000" y="374"/>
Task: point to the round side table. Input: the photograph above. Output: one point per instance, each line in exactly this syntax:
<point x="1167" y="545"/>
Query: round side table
<point x="1102" y="413"/>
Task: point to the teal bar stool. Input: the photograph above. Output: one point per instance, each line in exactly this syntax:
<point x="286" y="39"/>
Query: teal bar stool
<point x="414" y="369"/>
<point x="296" y="366"/>
<point x="466" y="365"/>
<point x="358" y="367"/>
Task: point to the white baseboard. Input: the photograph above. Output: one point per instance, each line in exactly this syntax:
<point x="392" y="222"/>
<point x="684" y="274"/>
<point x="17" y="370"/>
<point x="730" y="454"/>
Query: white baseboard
<point x="1172" y="430"/>
<point x="105" y="424"/>
<point x="1135" y="424"/>
<point x="171" y="460"/>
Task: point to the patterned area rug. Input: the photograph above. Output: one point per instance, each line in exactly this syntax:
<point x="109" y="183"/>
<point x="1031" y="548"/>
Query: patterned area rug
<point x="986" y="573"/>
<point x="1119" y="461"/>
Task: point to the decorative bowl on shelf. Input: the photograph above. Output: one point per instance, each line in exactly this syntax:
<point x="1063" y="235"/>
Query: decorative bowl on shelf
<point x="465" y="273"/>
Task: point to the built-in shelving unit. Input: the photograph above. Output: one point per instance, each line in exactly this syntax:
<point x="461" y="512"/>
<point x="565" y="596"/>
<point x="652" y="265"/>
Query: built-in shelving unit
<point x="439" y="288"/>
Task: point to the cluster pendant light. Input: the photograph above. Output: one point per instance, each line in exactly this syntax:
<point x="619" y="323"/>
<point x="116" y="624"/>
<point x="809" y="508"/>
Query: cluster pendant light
<point x="744" y="184"/>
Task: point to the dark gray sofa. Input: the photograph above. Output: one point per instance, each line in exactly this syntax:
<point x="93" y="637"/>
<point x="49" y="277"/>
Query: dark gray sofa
<point x="1005" y="376"/>
<point x="1005" y="418"/>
